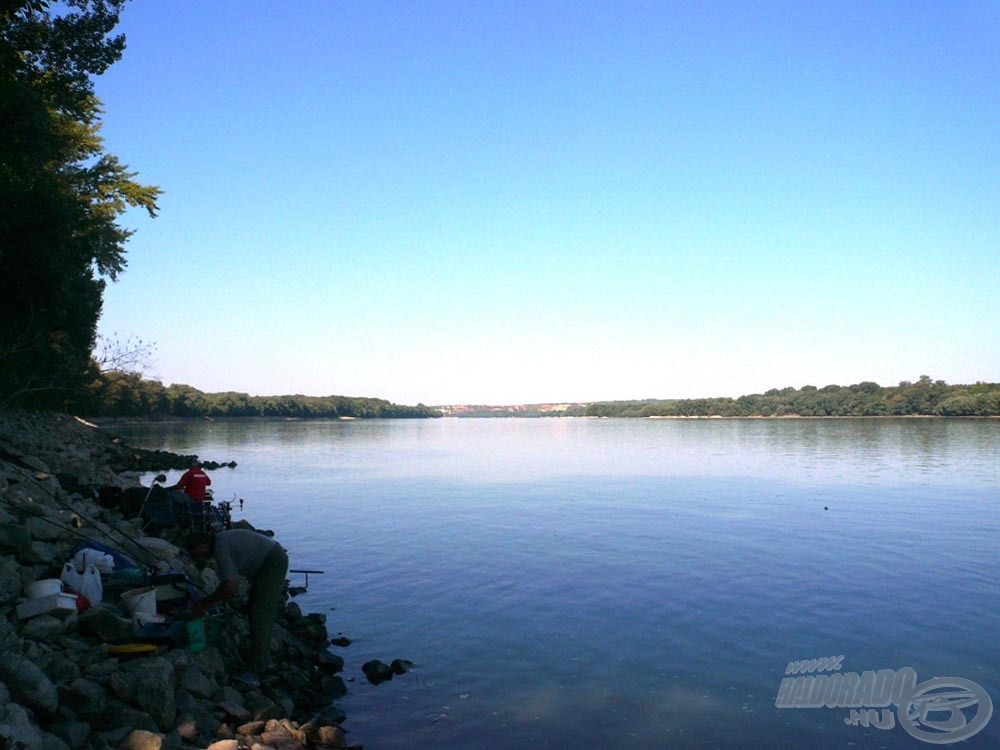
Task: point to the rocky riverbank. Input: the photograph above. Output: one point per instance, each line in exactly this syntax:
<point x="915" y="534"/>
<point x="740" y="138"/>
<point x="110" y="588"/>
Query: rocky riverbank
<point x="96" y="677"/>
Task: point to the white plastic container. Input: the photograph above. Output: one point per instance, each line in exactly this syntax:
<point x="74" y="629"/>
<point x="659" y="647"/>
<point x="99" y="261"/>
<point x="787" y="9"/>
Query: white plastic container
<point x="59" y="604"/>
<point x="141" y="601"/>
<point x="42" y="588"/>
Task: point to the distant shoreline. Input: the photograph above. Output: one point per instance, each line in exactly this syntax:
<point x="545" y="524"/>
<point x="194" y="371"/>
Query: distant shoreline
<point x="111" y="422"/>
<point x="150" y="400"/>
<point x="827" y="416"/>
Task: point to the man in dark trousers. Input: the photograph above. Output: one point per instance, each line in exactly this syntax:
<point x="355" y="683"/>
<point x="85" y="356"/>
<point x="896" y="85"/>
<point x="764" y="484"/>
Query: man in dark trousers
<point x="264" y="562"/>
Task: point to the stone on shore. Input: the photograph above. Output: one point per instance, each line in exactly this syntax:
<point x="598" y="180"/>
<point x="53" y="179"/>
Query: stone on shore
<point x="61" y="686"/>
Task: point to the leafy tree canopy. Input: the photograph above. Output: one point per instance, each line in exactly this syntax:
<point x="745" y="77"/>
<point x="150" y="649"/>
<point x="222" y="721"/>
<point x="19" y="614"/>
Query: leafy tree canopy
<point x="925" y="397"/>
<point x="128" y="394"/>
<point x="61" y="194"/>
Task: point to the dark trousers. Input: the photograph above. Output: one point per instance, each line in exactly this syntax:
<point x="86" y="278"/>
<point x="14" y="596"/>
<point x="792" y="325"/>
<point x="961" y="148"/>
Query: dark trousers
<point x="265" y="598"/>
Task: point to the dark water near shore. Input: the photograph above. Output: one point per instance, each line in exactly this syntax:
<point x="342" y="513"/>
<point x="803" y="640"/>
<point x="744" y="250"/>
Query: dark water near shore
<point x="628" y="583"/>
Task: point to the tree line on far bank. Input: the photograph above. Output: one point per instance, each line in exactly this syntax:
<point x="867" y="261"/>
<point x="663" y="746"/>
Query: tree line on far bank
<point x="124" y="394"/>
<point x="925" y="397"/>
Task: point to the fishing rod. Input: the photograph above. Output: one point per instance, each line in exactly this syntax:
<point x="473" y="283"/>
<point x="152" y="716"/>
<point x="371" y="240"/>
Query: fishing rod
<point x="149" y="559"/>
<point x="16" y="460"/>
<point x="144" y="556"/>
<point x="150" y="562"/>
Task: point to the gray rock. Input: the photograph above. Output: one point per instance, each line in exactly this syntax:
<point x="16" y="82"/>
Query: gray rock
<point x="27" y="683"/>
<point x="196" y="683"/>
<point x="180" y="658"/>
<point x="43" y="628"/>
<point x="148" y="684"/>
<point x="262" y="707"/>
<point x="20" y="500"/>
<point x="10" y="578"/>
<point x="9" y="638"/>
<point x="115" y="737"/>
<point x="230" y="694"/>
<point x="73" y="733"/>
<point x="120" y="716"/>
<point x="311" y="628"/>
<point x="35" y="463"/>
<point x="101" y="668"/>
<point x="251" y="728"/>
<point x="85" y="697"/>
<point x="280" y="735"/>
<point x="287" y="705"/>
<point x="196" y="719"/>
<point x="59" y="667"/>
<point x="53" y="742"/>
<point x="329" y="662"/>
<point x="21" y="497"/>
<point x="296" y="679"/>
<point x="401" y="666"/>
<point x="332" y="736"/>
<point x="14" y="536"/>
<point x="332" y="715"/>
<point x="17" y="728"/>
<point x="333" y="686"/>
<point x="45" y="528"/>
<point x="376" y="671"/>
<point x="237" y="711"/>
<point x="39" y="553"/>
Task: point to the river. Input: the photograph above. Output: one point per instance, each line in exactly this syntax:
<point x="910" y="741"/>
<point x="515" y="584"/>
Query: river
<point x="563" y="583"/>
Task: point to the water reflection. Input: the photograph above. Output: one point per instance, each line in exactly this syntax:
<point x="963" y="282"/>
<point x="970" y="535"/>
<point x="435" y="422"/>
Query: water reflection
<point x="846" y="450"/>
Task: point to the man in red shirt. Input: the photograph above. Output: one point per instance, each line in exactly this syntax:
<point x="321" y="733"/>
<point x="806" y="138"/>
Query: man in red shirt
<point x="194" y="482"/>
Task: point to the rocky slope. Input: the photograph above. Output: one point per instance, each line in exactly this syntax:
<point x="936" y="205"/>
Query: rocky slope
<point x="64" y="683"/>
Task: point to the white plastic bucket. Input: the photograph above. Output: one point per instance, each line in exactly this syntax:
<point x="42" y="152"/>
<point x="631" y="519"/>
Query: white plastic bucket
<point x="141" y="601"/>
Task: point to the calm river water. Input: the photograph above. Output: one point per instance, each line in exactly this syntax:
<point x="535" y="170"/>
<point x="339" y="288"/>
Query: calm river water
<point x="564" y="583"/>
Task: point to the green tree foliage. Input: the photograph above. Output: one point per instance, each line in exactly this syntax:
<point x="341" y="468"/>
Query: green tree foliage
<point x="127" y="394"/>
<point x="61" y="194"/>
<point x="926" y="397"/>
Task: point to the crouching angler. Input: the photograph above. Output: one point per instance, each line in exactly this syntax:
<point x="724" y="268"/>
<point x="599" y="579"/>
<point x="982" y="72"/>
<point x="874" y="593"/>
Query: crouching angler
<point x="264" y="563"/>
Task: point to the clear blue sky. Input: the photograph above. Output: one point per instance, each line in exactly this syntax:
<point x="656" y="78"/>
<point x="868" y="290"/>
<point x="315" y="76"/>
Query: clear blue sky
<point x="462" y="202"/>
